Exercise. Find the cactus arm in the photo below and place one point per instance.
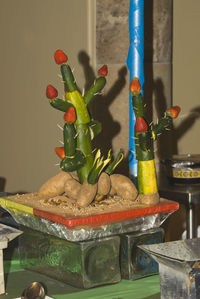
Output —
(163, 124)
(73, 96)
(147, 182)
(74, 159)
(59, 104)
(69, 134)
(82, 120)
(97, 86)
(77, 101)
(84, 145)
(138, 105)
(82, 131)
(68, 78)
(95, 128)
(72, 163)
(144, 146)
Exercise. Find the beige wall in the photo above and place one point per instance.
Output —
(186, 73)
(30, 33)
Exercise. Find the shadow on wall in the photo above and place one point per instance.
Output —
(167, 144)
(187, 122)
(148, 59)
(2, 184)
(99, 109)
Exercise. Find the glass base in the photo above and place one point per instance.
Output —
(135, 263)
(83, 264)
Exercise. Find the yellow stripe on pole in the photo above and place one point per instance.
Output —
(14, 206)
(147, 174)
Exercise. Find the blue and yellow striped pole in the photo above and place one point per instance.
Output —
(135, 63)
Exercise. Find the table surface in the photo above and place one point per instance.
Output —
(17, 279)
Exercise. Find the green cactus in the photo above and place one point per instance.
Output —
(145, 137)
(79, 128)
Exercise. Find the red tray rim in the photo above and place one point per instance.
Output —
(111, 217)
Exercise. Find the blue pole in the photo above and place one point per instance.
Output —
(135, 63)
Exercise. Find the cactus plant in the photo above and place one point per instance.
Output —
(79, 128)
(145, 135)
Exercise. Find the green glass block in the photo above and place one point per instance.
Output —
(134, 262)
(81, 264)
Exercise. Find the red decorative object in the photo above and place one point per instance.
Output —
(51, 92)
(70, 115)
(60, 152)
(103, 71)
(141, 125)
(135, 86)
(60, 57)
(173, 111)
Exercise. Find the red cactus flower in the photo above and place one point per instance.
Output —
(135, 86)
(173, 111)
(51, 92)
(60, 57)
(103, 71)
(60, 152)
(70, 115)
(141, 125)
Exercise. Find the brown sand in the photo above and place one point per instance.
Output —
(67, 208)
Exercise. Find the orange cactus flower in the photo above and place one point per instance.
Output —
(173, 111)
(141, 125)
(60, 57)
(103, 71)
(51, 92)
(60, 152)
(70, 115)
(135, 86)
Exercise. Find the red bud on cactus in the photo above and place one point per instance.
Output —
(70, 115)
(51, 92)
(60, 152)
(173, 111)
(141, 125)
(135, 86)
(103, 71)
(60, 57)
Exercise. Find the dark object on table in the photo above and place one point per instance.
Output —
(34, 291)
(179, 269)
(183, 169)
(186, 194)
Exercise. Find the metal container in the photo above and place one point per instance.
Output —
(179, 268)
(183, 168)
